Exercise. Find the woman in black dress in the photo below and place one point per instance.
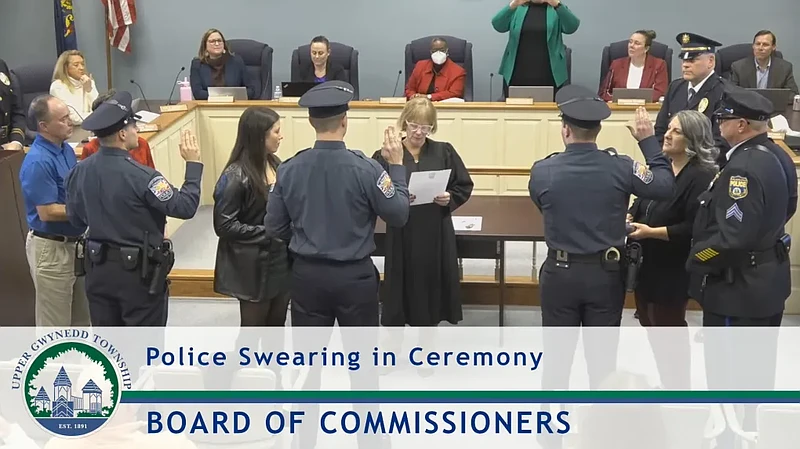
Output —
(422, 285)
(664, 229)
(251, 267)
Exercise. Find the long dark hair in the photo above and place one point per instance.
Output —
(250, 148)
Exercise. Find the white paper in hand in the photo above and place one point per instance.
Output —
(426, 185)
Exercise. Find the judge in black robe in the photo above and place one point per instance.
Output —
(421, 283)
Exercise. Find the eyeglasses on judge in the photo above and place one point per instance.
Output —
(414, 127)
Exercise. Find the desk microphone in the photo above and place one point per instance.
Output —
(85, 139)
(175, 83)
(491, 80)
(396, 83)
(143, 97)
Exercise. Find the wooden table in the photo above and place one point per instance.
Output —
(504, 219)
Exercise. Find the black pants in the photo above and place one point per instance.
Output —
(119, 297)
(325, 292)
(585, 294)
(723, 358)
(268, 313)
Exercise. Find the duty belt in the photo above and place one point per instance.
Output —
(610, 255)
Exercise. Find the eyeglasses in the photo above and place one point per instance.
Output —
(414, 127)
(215, 41)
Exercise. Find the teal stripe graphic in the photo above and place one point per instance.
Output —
(464, 397)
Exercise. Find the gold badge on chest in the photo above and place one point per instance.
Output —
(703, 105)
(4, 78)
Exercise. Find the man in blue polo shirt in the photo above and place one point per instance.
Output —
(60, 295)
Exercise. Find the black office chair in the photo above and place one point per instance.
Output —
(341, 54)
(257, 58)
(619, 49)
(460, 52)
(726, 56)
(31, 80)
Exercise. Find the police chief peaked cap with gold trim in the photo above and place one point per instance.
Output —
(111, 116)
(328, 99)
(581, 107)
(694, 45)
(738, 102)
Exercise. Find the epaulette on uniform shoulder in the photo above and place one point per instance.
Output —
(611, 151)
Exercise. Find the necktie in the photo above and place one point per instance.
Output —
(691, 93)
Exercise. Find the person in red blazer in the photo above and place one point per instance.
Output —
(438, 78)
(141, 154)
(639, 70)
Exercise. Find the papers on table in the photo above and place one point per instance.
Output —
(426, 185)
(467, 223)
(147, 116)
(780, 124)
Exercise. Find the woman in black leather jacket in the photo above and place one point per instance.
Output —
(250, 266)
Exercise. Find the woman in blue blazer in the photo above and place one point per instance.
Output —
(216, 66)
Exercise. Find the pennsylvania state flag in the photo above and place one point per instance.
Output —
(65, 26)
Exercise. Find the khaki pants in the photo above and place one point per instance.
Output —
(60, 295)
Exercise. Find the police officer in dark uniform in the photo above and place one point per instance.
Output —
(739, 262)
(699, 88)
(125, 205)
(12, 117)
(325, 203)
(584, 194)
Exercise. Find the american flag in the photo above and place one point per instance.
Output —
(121, 14)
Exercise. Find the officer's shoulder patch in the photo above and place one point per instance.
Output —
(386, 185)
(737, 187)
(642, 172)
(160, 188)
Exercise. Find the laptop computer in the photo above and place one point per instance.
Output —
(238, 93)
(780, 98)
(298, 89)
(540, 94)
(633, 94)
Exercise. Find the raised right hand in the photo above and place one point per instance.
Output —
(392, 149)
(642, 127)
(190, 150)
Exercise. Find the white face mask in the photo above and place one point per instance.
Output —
(439, 57)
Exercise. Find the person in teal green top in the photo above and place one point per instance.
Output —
(535, 43)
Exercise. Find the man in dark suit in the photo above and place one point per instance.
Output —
(763, 71)
(699, 88)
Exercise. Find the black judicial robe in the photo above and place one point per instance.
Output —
(421, 283)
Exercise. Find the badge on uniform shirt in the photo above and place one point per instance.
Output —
(737, 188)
(4, 78)
(160, 188)
(642, 172)
(703, 105)
(385, 185)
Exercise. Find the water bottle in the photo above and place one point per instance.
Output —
(278, 93)
(796, 103)
(185, 90)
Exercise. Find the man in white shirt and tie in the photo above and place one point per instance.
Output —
(699, 88)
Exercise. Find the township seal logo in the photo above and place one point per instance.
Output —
(73, 382)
